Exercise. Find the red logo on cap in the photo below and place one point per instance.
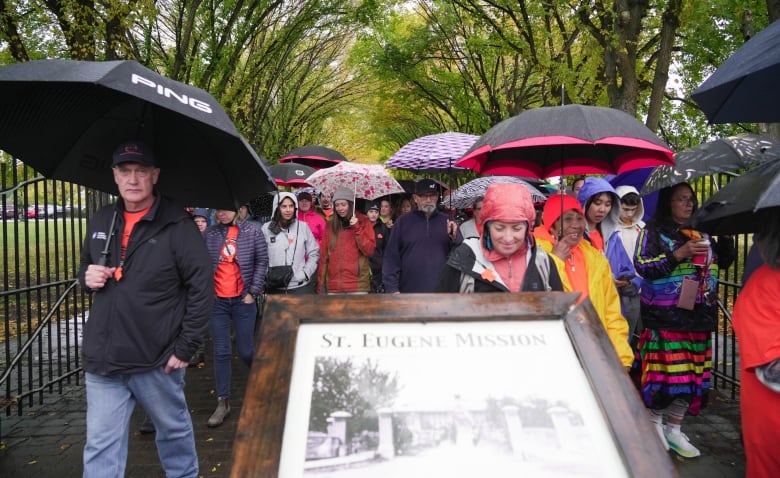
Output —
(131, 149)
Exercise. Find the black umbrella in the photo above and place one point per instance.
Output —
(723, 155)
(744, 88)
(317, 157)
(571, 139)
(291, 174)
(64, 118)
(743, 203)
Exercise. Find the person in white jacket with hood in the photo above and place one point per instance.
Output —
(291, 242)
(627, 227)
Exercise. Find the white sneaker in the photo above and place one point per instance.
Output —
(678, 441)
(659, 428)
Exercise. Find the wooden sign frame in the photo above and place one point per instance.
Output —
(258, 445)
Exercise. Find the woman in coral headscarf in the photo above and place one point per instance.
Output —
(504, 258)
(582, 267)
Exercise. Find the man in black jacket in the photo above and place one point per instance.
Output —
(153, 293)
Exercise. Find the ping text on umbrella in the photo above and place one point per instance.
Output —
(137, 79)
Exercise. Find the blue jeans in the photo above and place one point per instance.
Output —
(243, 317)
(110, 403)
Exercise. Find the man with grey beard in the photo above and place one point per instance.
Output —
(420, 243)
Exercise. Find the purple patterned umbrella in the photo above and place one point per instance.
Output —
(432, 153)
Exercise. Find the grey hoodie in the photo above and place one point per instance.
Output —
(630, 232)
(295, 245)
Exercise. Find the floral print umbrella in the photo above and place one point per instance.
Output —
(367, 181)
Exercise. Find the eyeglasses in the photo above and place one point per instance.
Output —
(687, 200)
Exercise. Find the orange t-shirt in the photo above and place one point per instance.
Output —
(596, 240)
(227, 278)
(131, 219)
(577, 272)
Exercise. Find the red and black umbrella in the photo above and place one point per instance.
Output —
(291, 174)
(314, 156)
(571, 139)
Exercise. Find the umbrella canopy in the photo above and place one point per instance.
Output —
(571, 139)
(291, 174)
(744, 87)
(65, 118)
(464, 196)
(743, 203)
(314, 156)
(432, 153)
(367, 181)
(409, 184)
(720, 156)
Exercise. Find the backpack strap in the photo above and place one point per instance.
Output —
(542, 261)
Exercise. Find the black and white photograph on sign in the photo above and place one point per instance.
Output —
(455, 399)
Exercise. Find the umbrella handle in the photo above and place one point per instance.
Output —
(103, 260)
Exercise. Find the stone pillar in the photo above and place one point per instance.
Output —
(515, 428)
(563, 428)
(337, 426)
(386, 448)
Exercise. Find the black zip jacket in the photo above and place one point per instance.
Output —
(161, 305)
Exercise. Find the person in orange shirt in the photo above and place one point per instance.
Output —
(148, 271)
(325, 208)
(239, 256)
(757, 324)
(582, 267)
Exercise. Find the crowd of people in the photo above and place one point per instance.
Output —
(653, 286)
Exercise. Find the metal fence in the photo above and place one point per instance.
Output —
(43, 310)
(41, 306)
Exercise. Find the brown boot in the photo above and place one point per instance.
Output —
(219, 415)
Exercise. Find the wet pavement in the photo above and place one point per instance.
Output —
(47, 440)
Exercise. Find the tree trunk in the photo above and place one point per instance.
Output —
(11, 34)
(670, 23)
(773, 9)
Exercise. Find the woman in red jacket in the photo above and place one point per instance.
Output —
(346, 248)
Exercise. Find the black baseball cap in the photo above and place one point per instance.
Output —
(134, 152)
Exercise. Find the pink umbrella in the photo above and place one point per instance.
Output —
(367, 181)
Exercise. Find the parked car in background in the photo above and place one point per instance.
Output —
(45, 212)
(9, 211)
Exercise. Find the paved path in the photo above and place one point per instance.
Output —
(47, 440)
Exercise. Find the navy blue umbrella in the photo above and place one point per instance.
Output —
(744, 88)
(637, 178)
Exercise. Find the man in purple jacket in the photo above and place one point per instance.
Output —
(420, 243)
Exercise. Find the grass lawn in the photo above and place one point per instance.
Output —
(34, 255)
